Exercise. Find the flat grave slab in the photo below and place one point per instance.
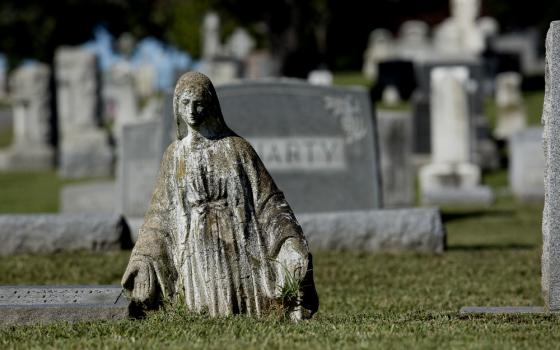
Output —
(45, 304)
(505, 310)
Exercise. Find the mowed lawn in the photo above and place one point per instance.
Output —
(368, 300)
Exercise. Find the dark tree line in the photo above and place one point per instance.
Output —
(303, 34)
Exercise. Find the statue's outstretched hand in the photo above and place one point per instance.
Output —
(139, 279)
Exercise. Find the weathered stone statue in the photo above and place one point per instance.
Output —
(218, 234)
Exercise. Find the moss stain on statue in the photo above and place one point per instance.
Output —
(219, 235)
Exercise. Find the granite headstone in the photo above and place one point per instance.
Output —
(551, 213)
(318, 143)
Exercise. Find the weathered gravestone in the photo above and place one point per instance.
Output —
(395, 148)
(318, 143)
(550, 263)
(140, 155)
(31, 148)
(526, 165)
(84, 147)
(46, 304)
(451, 177)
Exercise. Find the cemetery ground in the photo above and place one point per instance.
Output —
(367, 300)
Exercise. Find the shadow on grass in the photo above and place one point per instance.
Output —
(447, 216)
(480, 247)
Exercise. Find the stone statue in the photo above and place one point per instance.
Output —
(218, 234)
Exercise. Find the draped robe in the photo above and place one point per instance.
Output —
(220, 234)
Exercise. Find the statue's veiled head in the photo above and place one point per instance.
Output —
(196, 106)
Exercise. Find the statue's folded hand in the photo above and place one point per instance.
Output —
(139, 279)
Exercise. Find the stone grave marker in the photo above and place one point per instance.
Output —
(551, 212)
(483, 149)
(84, 147)
(140, 155)
(526, 165)
(46, 304)
(451, 177)
(318, 143)
(550, 262)
(32, 148)
(395, 148)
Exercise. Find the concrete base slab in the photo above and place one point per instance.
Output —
(410, 229)
(46, 304)
(507, 310)
(461, 196)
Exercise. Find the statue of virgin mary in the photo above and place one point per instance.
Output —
(218, 234)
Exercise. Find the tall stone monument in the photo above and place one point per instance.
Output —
(551, 213)
(550, 263)
(31, 148)
(451, 177)
(84, 147)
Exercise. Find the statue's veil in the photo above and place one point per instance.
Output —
(196, 81)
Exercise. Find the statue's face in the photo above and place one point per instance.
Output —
(192, 107)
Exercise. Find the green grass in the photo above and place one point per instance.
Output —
(29, 192)
(350, 78)
(379, 301)
(6, 136)
(32, 191)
